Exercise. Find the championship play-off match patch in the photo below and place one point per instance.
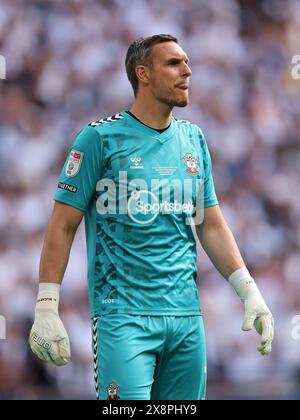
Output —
(74, 163)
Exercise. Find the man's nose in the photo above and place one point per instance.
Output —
(186, 70)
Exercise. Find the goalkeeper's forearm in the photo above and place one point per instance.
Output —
(55, 253)
(219, 244)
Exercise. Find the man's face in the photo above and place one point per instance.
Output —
(169, 74)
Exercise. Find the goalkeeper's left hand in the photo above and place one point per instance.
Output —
(257, 312)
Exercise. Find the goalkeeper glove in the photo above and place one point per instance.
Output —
(256, 310)
(48, 338)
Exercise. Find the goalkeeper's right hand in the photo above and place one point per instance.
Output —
(48, 338)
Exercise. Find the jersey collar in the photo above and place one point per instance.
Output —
(162, 137)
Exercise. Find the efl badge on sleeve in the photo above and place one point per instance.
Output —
(74, 163)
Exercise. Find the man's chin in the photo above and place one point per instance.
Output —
(181, 104)
(175, 102)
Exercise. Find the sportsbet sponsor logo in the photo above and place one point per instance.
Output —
(144, 207)
(164, 207)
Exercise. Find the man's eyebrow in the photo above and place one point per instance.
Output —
(177, 59)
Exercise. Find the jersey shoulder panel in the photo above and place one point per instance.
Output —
(110, 122)
(190, 126)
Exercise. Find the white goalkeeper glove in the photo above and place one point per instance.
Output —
(48, 338)
(256, 310)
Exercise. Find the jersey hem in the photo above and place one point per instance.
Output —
(148, 313)
(211, 204)
(70, 203)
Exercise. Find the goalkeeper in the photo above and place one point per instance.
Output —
(147, 326)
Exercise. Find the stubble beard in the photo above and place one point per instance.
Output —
(172, 102)
(176, 102)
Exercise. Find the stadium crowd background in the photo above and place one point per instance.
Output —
(65, 68)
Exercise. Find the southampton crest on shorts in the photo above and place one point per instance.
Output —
(112, 390)
(74, 163)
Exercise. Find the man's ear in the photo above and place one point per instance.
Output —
(142, 73)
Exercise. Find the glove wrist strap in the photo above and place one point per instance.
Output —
(48, 297)
(243, 283)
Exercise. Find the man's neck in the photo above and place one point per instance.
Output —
(155, 115)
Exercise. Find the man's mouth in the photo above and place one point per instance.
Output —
(182, 86)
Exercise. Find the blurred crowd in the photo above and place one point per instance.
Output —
(65, 68)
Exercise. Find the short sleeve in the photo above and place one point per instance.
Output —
(210, 197)
(81, 171)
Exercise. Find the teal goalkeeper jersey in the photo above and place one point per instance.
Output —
(139, 190)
